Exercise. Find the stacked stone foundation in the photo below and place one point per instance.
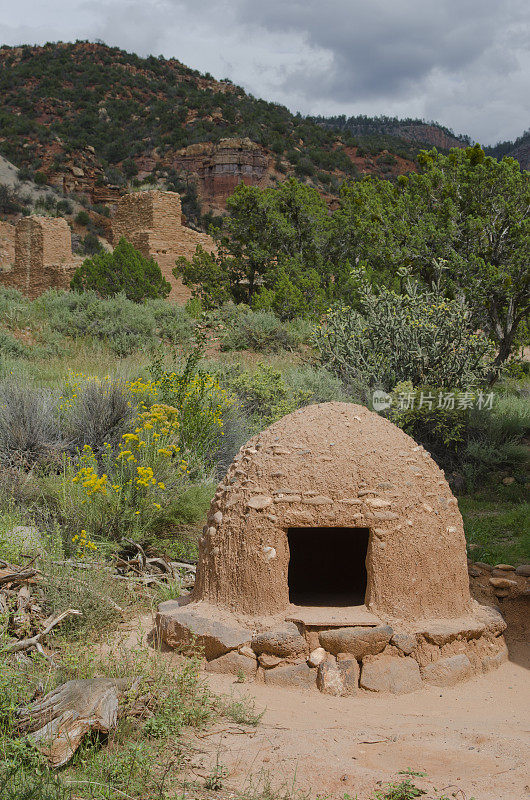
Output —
(339, 660)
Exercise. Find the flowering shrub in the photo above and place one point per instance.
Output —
(419, 336)
(125, 490)
(174, 434)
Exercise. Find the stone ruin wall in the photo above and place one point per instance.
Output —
(36, 253)
(40, 249)
(152, 222)
(7, 246)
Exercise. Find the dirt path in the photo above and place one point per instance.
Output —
(472, 740)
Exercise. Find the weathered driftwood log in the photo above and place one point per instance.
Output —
(34, 641)
(58, 722)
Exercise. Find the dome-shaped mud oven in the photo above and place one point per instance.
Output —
(334, 556)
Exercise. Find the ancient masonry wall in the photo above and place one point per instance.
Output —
(7, 246)
(152, 222)
(42, 256)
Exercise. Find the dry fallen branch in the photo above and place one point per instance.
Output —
(58, 722)
(34, 641)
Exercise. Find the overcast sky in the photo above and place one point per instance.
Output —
(464, 63)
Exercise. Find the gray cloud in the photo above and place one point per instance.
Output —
(465, 63)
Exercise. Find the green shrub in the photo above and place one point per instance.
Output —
(12, 348)
(263, 332)
(30, 433)
(82, 218)
(418, 336)
(124, 271)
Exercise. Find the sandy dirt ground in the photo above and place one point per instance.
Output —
(471, 740)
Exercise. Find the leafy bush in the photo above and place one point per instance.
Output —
(418, 336)
(263, 394)
(124, 271)
(82, 218)
(263, 332)
(472, 434)
(124, 326)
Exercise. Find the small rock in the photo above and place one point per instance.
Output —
(259, 502)
(502, 583)
(523, 569)
(316, 657)
(218, 517)
(482, 565)
(284, 642)
(269, 552)
(377, 502)
(508, 481)
(267, 661)
(247, 651)
(349, 669)
(329, 678)
(447, 671)
(474, 572)
(357, 641)
(505, 567)
(406, 642)
(291, 675)
(233, 663)
(183, 626)
(384, 673)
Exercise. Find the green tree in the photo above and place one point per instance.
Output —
(272, 252)
(464, 211)
(124, 271)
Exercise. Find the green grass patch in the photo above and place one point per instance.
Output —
(497, 532)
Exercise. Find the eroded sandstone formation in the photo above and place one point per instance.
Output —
(334, 556)
(220, 167)
(152, 222)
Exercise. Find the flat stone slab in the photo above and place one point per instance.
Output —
(441, 632)
(338, 617)
(359, 642)
(389, 674)
(447, 671)
(283, 642)
(233, 663)
(180, 626)
(292, 675)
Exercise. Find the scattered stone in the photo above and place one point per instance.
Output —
(508, 481)
(474, 572)
(316, 657)
(298, 675)
(267, 662)
(502, 583)
(319, 500)
(284, 642)
(233, 663)
(377, 502)
(493, 620)
(505, 567)
(27, 539)
(406, 642)
(218, 517)
(247, 651)
(183, 625)
(259, 502)
(447, 671)
(349, 669)
(483, 566)
(495, 660)
(357, 641)
(269, 552)
(388, 674)
(523, 569)
(329, 678)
